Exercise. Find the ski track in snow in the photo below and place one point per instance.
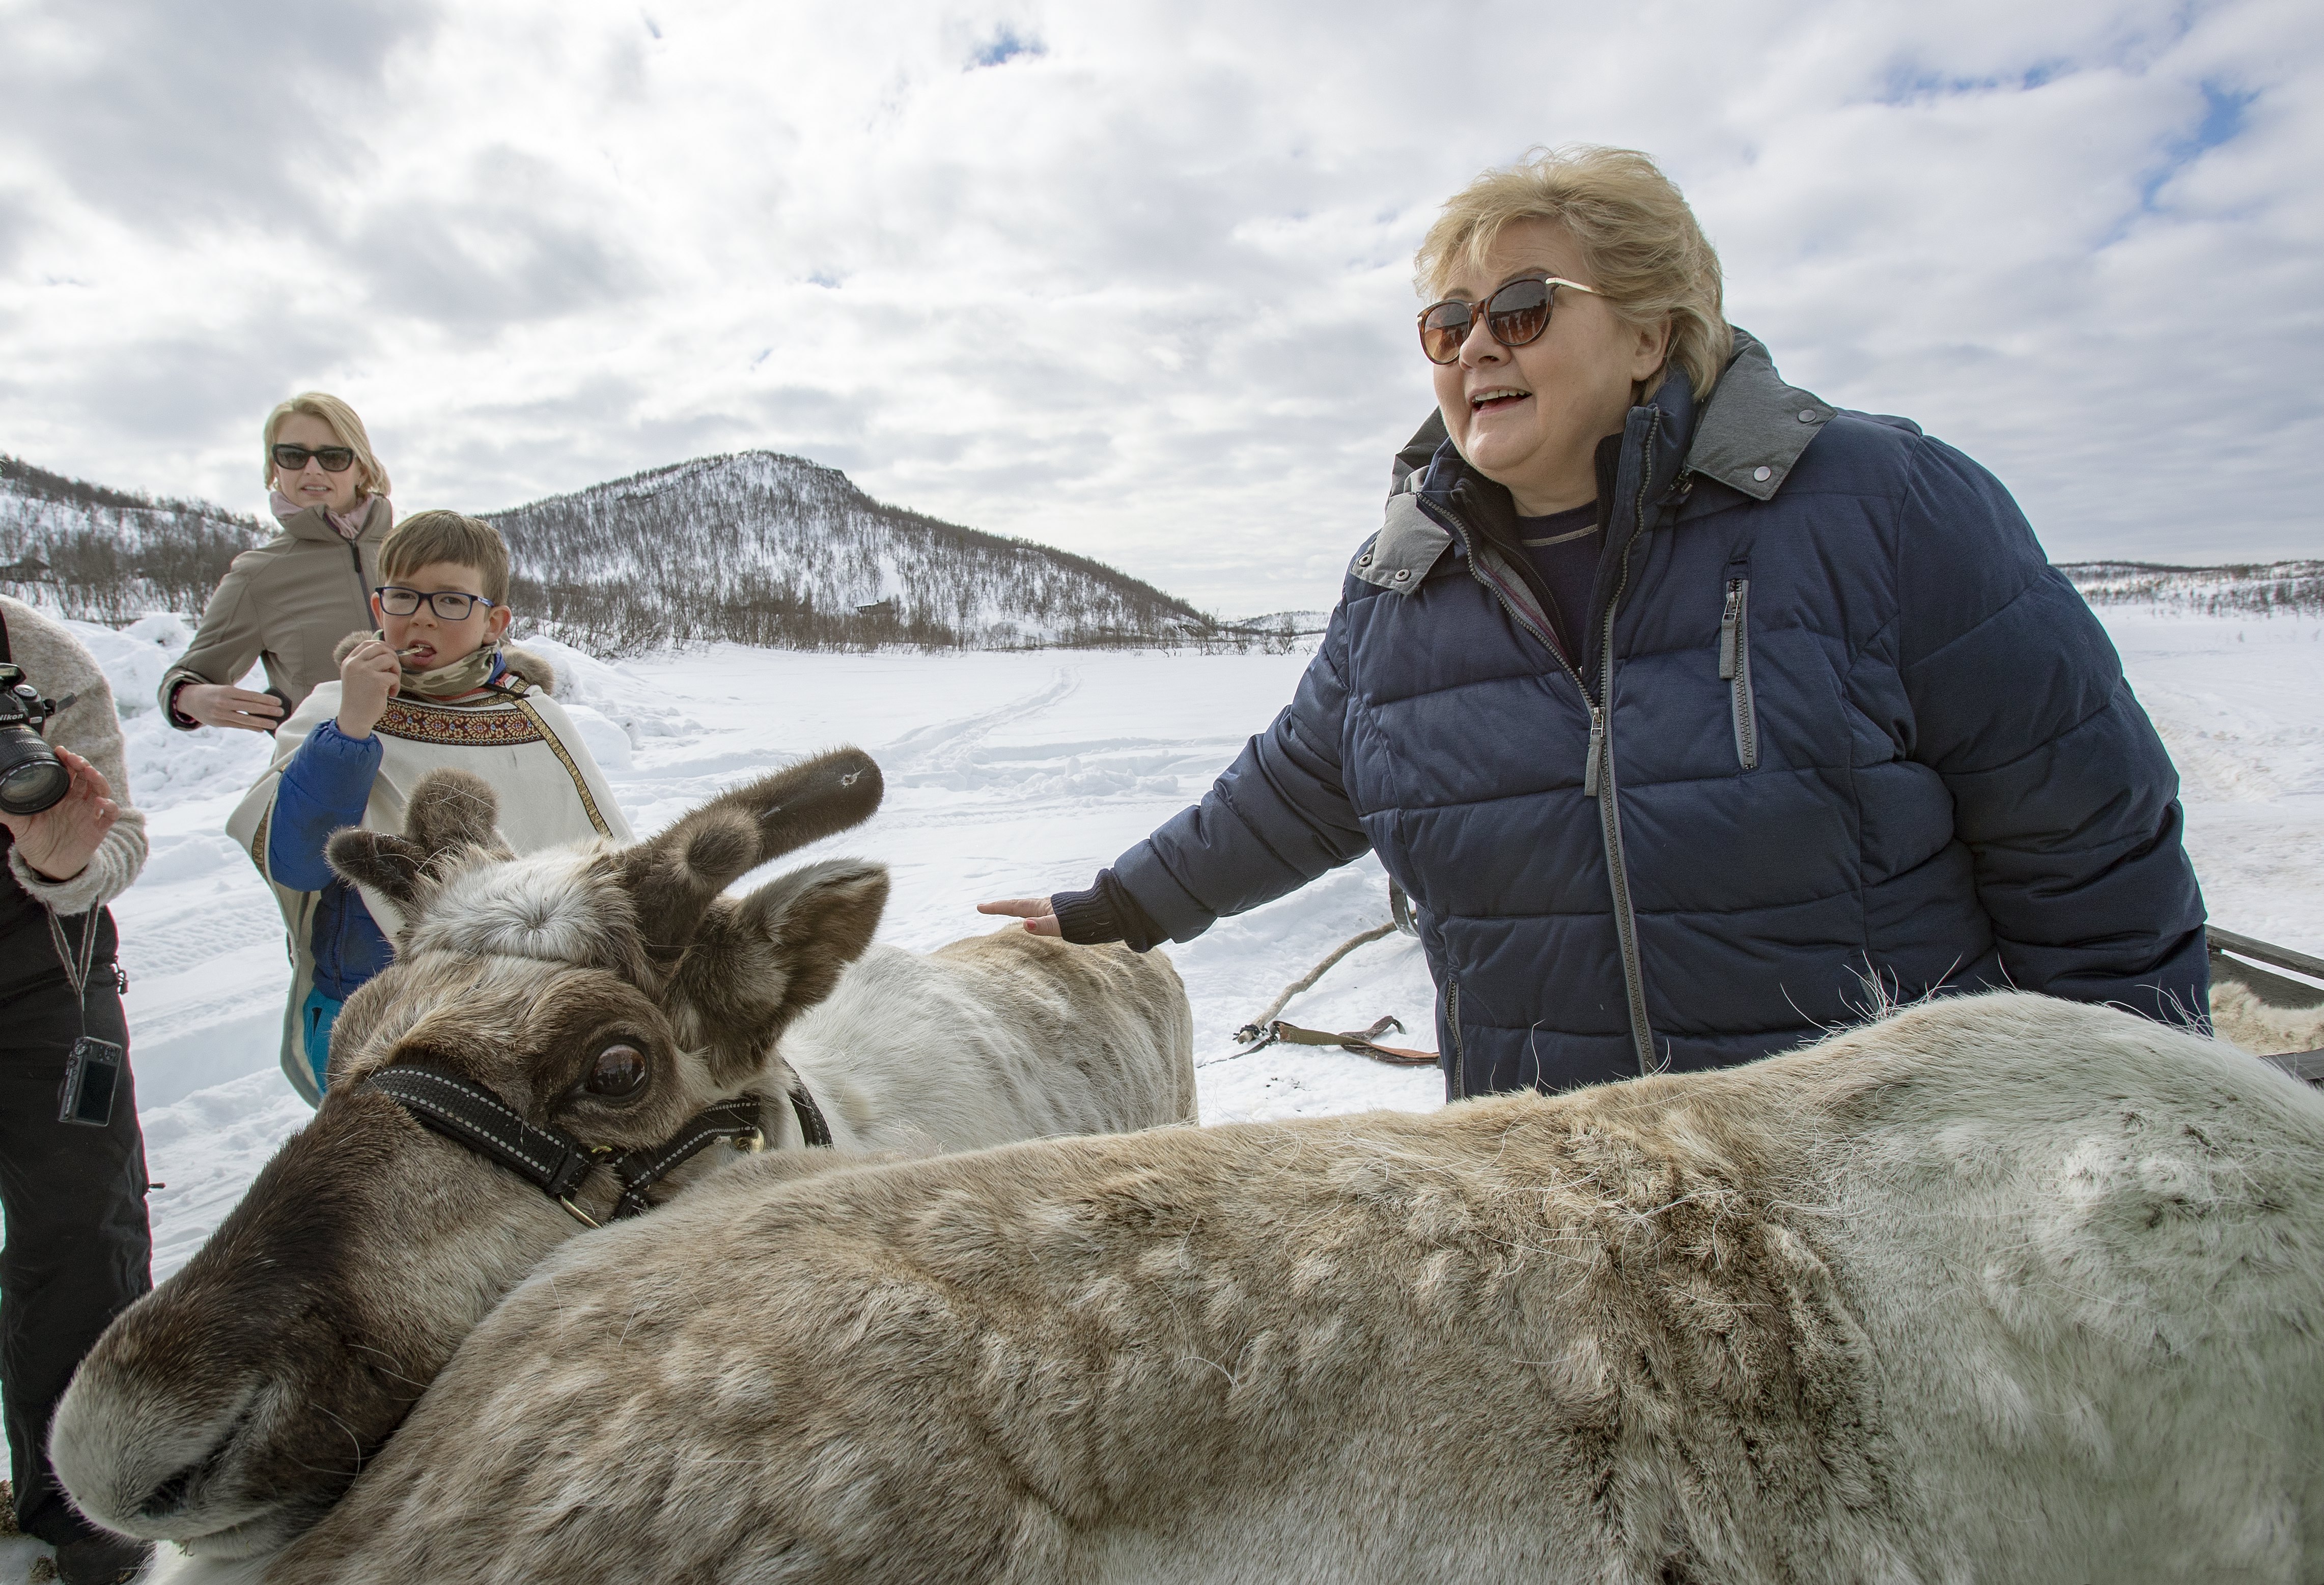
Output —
(1016, 775)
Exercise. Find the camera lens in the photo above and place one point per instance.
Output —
(31, 779)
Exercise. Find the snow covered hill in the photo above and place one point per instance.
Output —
(2273, 589)
(777, 551)
(755, 549)
(107, 555)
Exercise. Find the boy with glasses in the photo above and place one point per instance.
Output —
(433, 686)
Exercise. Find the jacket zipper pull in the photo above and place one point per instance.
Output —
(1730, 621)
(1596, 750)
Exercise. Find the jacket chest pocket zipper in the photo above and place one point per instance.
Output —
(1460, 1085)
(1735, 670)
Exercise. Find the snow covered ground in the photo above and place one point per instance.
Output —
(1017, 774)
(1007, 775)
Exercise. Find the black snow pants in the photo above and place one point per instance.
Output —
(78, 1249)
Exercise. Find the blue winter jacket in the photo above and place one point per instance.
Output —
(1836, 731)
(325, 788)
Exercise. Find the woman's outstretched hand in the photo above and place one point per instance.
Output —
(215, 705)
(1039, 918)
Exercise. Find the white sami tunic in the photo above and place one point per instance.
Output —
(526, 747)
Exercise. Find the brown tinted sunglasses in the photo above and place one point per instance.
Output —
(1516, 314)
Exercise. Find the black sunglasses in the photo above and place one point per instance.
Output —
(336, 459)
(1516, 314)
(448, 604)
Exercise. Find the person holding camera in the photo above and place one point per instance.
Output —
(72, 1161)
(289, 600)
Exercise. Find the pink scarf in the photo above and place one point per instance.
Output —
(349, 524)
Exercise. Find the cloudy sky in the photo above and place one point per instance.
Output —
(1135, 279)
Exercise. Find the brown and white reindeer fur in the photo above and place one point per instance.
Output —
(232, 1406)
(2000, 1288)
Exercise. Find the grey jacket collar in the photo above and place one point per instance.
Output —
(1748, 439)
(1756, 426)
(1407, 547)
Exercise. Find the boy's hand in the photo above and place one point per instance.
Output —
(368, 678)
(58, 842)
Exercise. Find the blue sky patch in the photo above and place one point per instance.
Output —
(1004, 47)
(2223, 119)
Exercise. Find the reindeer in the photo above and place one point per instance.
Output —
(1999, 1288)
(599, 1015)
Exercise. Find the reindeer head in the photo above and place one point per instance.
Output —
(610, 993)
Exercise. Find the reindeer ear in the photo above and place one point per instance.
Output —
(819, 919)
(755, 965)
(387, 864)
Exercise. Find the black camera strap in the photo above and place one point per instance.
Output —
(77, 964)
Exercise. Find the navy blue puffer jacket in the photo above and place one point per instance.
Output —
(1838, 729)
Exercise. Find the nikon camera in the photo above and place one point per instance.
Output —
(31, 777)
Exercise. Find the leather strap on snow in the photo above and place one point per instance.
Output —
(1364, 1043)
(552, 1160)
(2307, 1065)
(1307, 982)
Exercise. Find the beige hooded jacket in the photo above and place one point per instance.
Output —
(288, 602)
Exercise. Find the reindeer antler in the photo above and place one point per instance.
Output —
(672, 878)
(450, 812)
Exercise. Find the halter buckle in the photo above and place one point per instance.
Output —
(749, 1144)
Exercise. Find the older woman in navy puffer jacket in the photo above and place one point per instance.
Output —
(1693, 712)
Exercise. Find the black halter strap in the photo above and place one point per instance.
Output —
(554, 1161)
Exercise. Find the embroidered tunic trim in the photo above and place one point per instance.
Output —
(580, 782)
(429, 723)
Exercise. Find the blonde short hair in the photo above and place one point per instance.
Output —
(427, 538)
(1639, 242)
(341, 421)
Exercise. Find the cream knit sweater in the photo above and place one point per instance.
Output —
(57, 663)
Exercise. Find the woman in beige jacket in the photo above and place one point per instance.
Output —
(289, 600)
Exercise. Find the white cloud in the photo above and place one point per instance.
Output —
(1134, 279)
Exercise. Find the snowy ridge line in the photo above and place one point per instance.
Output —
(755, 548)
(2257, 588)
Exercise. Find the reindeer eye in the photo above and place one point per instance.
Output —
(618, 1073)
